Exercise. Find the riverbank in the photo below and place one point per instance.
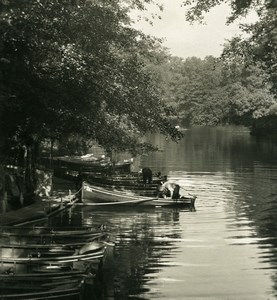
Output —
(42, 208)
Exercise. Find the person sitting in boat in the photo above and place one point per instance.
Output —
(176, 192)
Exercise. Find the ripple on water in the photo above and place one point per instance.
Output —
(226, 249)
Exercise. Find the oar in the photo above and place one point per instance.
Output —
(193, 195)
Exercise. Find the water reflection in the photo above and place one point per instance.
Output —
(144, 243)
(224, 250)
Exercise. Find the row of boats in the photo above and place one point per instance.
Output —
(47, 263)
(104, 183)
(40, 262)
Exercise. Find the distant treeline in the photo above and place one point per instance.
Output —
(217, 91)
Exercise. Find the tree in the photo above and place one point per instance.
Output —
(195, 87)
(249, 87)
(76, 68)
(255, 54)
(240, 8)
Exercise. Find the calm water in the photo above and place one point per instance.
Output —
(226, 249)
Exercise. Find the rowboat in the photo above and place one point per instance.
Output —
(51, 231)
(71, 167)
(94, 195)
(47, 258)
(41, 235)
(65, 290)
(48, 263)
(33, 279)
(43, 271)
(11, 284)
(125, 181)
(38, 281)
(85, 234)
(40, 255)
(50, 249)
(17, 245)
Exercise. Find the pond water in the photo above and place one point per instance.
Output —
(226, 249)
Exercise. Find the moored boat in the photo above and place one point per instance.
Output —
(49, 263)
(47, 273)
(50, 249)
(71, 167)
(49, 258)
(93, 195)
(66, 290)
(50, 236)
(125, 181)
(34, 257)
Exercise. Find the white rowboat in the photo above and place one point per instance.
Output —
(92, 195)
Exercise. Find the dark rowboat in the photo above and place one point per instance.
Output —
(45, 231)
(63, 291)
(71, 167)
(19, 234)
(130, 181)
(39, 282)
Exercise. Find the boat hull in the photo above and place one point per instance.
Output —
(100, 196)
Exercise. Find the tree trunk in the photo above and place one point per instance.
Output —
(30, 159)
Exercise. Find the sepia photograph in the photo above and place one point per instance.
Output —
(138, 149)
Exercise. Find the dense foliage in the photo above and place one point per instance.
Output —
(76, 69)
(214, 91)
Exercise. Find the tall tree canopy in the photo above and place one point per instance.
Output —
(197, 8)
(77, 68)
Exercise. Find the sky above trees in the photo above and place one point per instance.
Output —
(184, 39)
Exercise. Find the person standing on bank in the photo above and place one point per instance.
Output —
(147, 176)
